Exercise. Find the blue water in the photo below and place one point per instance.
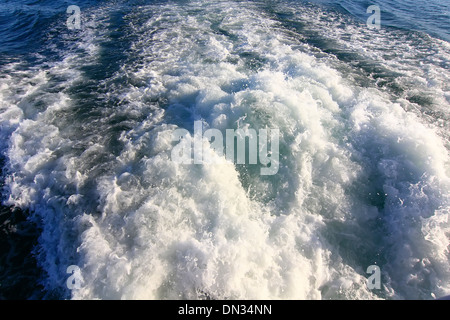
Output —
(25, 25)
(86, 118)
(431, 17)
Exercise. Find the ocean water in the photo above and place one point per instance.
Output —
(86, 123)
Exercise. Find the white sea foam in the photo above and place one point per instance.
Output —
(361, 180)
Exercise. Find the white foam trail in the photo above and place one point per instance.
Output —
(142, 227)
(412, 65)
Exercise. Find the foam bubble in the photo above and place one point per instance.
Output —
(361, 181)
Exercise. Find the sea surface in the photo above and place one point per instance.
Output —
(86, 122)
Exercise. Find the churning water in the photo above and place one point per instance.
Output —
(86, 123)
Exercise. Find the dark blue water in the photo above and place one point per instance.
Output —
(85, 123)
(26, 26)
(431, 17)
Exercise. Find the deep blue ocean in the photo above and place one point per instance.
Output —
(87, 114)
